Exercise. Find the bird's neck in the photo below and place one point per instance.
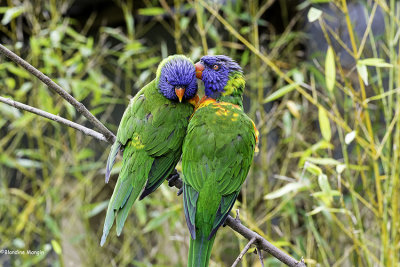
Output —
(233, 90)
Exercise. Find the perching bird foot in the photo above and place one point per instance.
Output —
(180, 191)
(172, 178)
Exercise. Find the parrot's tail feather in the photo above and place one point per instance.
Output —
(123, 212)
(103, 239)
(119, 206)
(111, 159)
(200, 251)
(107, 224)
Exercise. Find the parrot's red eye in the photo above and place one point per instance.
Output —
(215, 67)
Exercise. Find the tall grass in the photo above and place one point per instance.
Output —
(324, 185)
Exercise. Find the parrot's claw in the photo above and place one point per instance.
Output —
(173, 173)
(172, 178)
(180, 191)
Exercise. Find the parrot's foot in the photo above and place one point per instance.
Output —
(180, 191)
(172, 178)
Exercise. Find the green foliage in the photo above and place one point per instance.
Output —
(324, 185)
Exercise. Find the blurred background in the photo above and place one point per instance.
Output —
(322, 87)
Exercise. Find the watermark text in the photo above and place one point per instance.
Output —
(21, 252)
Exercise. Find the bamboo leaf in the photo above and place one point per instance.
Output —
(157, 221)
(324, 208)
(323, 183)
(324, 124)
(330, 69)
(312, 168)
(362, 70)
(350, 137)
(316, 210)
(313, 14)
(12, 13)
(323, 161)
(374, 62)
(280, 92)
(340, 168)
(293, 108)
(96, 208)
(151, 11)
(291, 187)
(56, 247)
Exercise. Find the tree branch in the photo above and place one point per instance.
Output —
(245, 249)
(260, 242)
(52, 85)
(260, 257)
(53, 117)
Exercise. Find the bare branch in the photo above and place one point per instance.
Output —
(56, 118)
(260, 256)
(245, 249)
(262, 243)
(52, 85)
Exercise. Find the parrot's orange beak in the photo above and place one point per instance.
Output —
(199, 70)
(179, 91)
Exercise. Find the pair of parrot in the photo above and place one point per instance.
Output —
(215, 138)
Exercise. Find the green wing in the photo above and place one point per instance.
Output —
(161, 169)
(150, 134)
(217, 153)
(190, 196)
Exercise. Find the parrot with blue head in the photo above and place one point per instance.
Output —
(217, 153)
(150, 134)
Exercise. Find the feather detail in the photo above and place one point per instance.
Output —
(189, 204)
(111, 159)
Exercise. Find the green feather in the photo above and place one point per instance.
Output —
(111, 159)
(200, 251)
(233, 90)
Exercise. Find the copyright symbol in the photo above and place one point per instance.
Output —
(2, 251)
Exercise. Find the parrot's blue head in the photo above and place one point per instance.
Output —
(176, 78)
(215, 72)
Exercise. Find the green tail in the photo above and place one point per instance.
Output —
(120, 212)
(130, 184)
(200, 251)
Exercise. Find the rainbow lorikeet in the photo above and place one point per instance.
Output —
(217, 153)
(151, 134)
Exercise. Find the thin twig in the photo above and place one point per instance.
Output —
(245, 249)
(52, 85)
(260, 256)
(53, 117)
(260, 242)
